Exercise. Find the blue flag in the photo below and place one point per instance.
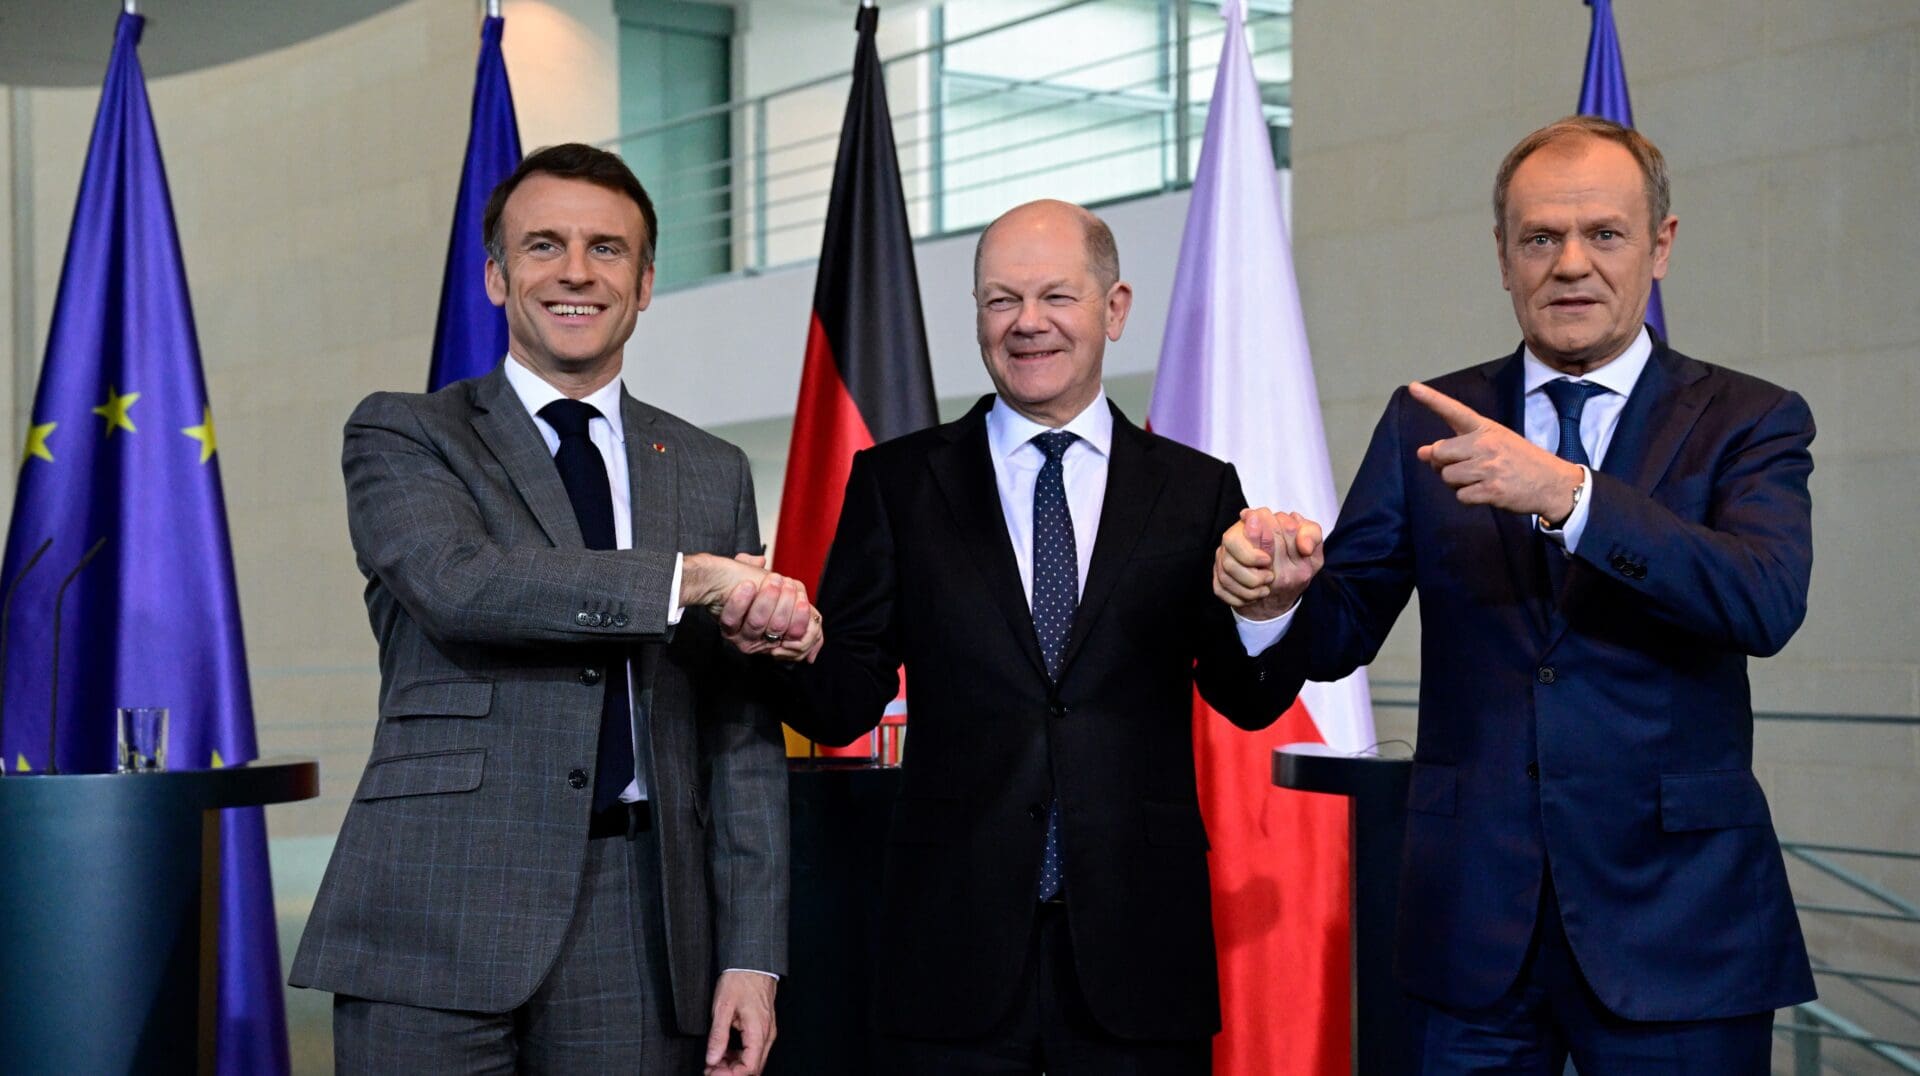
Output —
(1603, 93)
(471, 335)
(121, 448)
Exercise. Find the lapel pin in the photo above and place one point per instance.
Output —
(660, 448)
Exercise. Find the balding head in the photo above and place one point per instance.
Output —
(1103, 256)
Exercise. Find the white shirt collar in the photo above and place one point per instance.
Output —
(1008, 429)
(536, 392)
(1618, 376)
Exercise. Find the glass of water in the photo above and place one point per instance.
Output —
(143, 739)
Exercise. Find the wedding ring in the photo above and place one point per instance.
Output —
(772, 636)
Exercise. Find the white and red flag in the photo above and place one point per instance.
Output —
(1235, 380)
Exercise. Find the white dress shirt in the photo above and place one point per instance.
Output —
(1016, 467)
(608, 434)
(1598, 420)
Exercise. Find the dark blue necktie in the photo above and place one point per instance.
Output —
(1569, 400)
(1056, 593)
(584, 473)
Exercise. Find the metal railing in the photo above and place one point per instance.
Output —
(1088, 100)
(1810, 1029)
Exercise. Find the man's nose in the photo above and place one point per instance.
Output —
(1573, 261)
(574, 267)
(1032, 318)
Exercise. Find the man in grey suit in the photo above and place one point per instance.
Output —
(569, 847)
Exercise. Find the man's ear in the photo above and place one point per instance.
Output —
(645, 294)
(496, 283)
(1119, 305)
(1500, 252)
(1663, 245)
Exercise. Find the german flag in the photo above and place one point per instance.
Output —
(866, 377)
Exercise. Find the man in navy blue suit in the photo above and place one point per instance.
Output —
(1602, 531)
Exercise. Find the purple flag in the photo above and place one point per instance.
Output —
(471, 333)
(1603, 93)
(121, 448)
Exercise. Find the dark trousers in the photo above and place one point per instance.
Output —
(1551, 1013)
(606, 1005)
(1047, 1030)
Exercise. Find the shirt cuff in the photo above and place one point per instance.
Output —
(754, 971)
(1567, 535)
(674, 609)
(1257, 635)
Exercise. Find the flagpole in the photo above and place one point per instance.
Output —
(131, 7)
(493, 9)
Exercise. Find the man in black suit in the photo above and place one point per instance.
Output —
(1041, 568)
(1590, 867)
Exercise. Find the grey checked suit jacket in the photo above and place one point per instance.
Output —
(457, 867)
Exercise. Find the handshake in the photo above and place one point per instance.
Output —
(759, 612)
(1265, 562)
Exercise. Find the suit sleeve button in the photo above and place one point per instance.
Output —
(1547, 675)
(619, 620)
(589, 677)
(583, 618)
(577, 779)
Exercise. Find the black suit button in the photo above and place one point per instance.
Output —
(1547, 675)
(577, 779)
(589, 677)
(1057, 709)
(584, 619)
(1533, 771)
(1036, 812)
(619, 620)
(1639, 571)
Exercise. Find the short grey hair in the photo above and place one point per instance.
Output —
(1103, 254)
(1653, 165)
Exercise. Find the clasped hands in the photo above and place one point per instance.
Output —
(759, 612)
(1266, 560)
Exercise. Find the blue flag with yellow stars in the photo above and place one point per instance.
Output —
(1603, 93)
(121, 449)
(470, 336)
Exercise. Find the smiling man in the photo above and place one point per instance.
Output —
(1601, 531)
(568, 852)
(1040, 568)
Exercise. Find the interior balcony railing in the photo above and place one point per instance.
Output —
(1093, 101)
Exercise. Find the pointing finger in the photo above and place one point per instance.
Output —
(1458, 416)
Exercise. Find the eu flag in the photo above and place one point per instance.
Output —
(471, 335)
(1603, 93)
(121, 446)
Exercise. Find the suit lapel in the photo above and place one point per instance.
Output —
(508, 431)
(963, 470)
(653, 488)
(1524, 566)
(1134, 479)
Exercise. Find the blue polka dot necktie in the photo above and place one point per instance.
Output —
(1056, 593)
(584, 473)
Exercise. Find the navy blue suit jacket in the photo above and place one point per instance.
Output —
(1606, 735)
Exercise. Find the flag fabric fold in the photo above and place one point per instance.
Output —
(121, 446)
(866, 376)
(470, 335)
(1235, 380)
(1603, 93)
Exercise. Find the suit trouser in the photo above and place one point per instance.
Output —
(1048, 1029)
(606, 1005)
(1551, 1012)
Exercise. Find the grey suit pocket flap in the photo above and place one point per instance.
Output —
(1175, 825)
(438, 698)
(1431, 788)
(423, 774)
(1717, 799)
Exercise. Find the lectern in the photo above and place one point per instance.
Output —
(1387, 1026)
(109, 908)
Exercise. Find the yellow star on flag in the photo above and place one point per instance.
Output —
(37, 442)
(218, 762)
(115, 411)
(20, 765)
(203, 433)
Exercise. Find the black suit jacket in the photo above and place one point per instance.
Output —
(922, 573)
(1603, 733)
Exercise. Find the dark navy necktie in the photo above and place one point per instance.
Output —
(1056, 593)
(1569, 402)
(584, 473)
